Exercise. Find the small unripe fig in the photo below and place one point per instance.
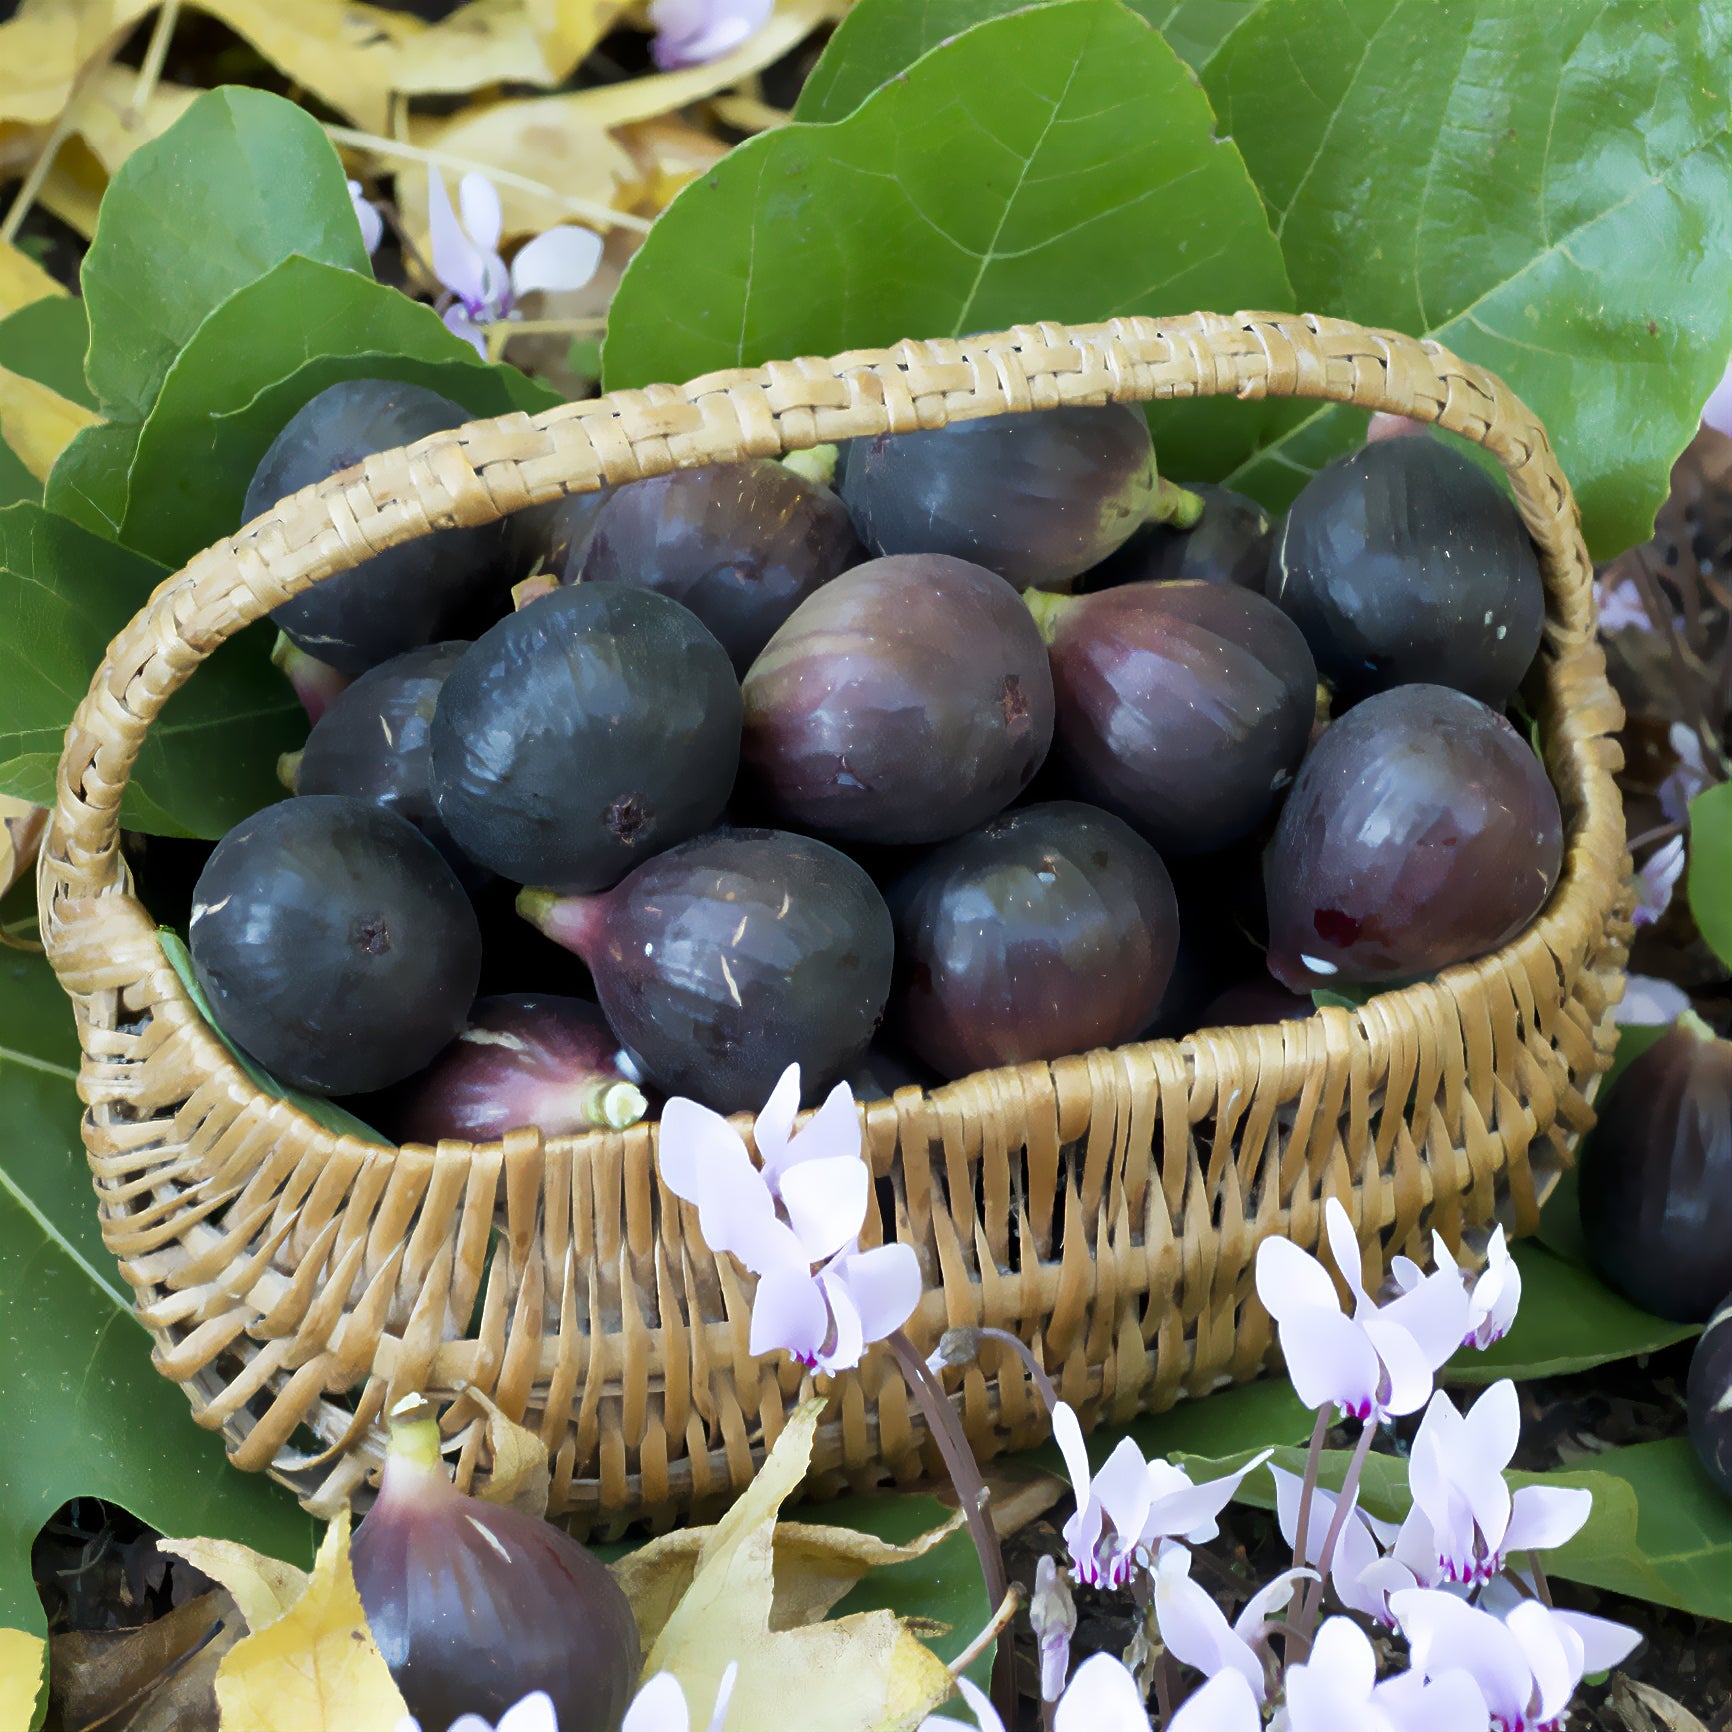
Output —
(1708, 1397)
(475, 1605)
(1656, 1176)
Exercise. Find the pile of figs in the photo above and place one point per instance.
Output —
(991, 747)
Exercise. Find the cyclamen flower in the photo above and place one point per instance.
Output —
(1717, 411)
(689, 32)
(1527, 1664)
(367, 215)
(1336, 1690)
(1464, 1520)
(1102, 1697)
(1649, 1002)
(467, 262)
(1381, 1360)
(1131, 1504)
(660, 1706)
(1492, 1296)
(533, 1714)
(1196, 1630)
(1052, 1617)
(795, 1223)
(1687, 779)
(1359, 1546)
(1656, 879)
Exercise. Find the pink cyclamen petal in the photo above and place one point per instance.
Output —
(1344, 1248)
(1180, 1510)
(1290, 1281)
(1717, 411)
(884, 1286)
(691, 32)
(1195, 1629)
(690, 1139)
(847, 1344)
(457, 262)
(660, 1706)
(790, 1313)
(826, 1203)
(1331, 1361)
(1101, 1697)
(478, 204)
(1226, 1703)
(459, 324)
(1649, 1002)
(367, 215)
(559, 259)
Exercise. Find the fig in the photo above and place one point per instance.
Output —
(740, 544)
(1421, 831)
(522, 1059)
(1229, 543)
(371, 744)
(475, 1605)
(1037, 498)
(1049, 930)
(1708, 1397)
(333, 943)
(1656, 1176)
(441, 586)
(906, 701)
(554, 537)
(1405, 563)
(1183, 707)
(584, 733)
(728, 958)
(1260, 1000)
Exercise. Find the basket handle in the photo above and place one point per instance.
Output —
(476, 473)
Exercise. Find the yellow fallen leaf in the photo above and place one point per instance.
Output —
(45, 46)
(75, 185)
(864, 1673)
(22, 280)
(316, 1668)
(814, 1567)
(568, 29)
(21, 827)
(22, 1658)
(37, 422)
(667, 153)
(107, 115)
(264, 1588)
(521, 1477)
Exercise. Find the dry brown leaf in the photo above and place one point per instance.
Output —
(1661, 1709)
(44, 47)
(22, 280)
(1018, 1494)
(521, 1477)
(149, 1675)
(37, 422)
(21, 827)
(667, 153)
(263, 1588)
(865, 1673)
(23, 1660)
(317, 1668)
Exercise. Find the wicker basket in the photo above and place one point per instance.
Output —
(1105, 1207)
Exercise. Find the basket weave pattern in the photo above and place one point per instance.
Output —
(1105, 1207)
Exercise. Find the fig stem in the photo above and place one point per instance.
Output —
(567, 920)
(289, 770)
(1048, 609)
(818, 463)
(532, 588)
(415, 1434)
(615, 1106)
(1175, 505)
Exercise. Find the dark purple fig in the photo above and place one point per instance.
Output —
(577, 737)
(521, 1060)
(1184, 707)
(1405, 563)
(334, 944)
(906, 701)
(476, 1605)
(740, 544)
(1656, 1176)
(1251, 1002)
(1038, 498)
(371, 743)
(723, 961)
(317, 685)
(1708, 1397)
(554, 537)
(442, 586)
(1049, 930)
(1420, 832)
(1229, 543)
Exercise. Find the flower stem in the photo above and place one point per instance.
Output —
(1312, 1603)
(1541, 1585)
(971, 1492)
(1036, 1371)
(1308, 1490)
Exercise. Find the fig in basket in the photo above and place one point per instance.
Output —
(1184, 707)
(1049, 930)
(371, 743)
(740, 544)
(721, 962)
(334, 944)
(584, 733)
(522, 1059)
(906, 701)
(1038, 498)
(1406, 563)
(443, 586)
(1421, 831)
(1229, 543)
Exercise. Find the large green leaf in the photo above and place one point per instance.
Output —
(210, 759)
(1546, 190)
(88, 481)
(46, 341)
(16, 482)
(86, 1415)
(254, 361)
(240, 182)
(1710, 883)
(1568, 1321)
(1055, 163)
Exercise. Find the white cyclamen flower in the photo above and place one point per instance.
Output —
(1052, 1617)
(1689, 777)
(795, 1224)
(466, 258)
(1649, 1002)
(660, 1706)
(1196, 1630)
(367, 215)
(1527, 1664)
(690, 32)
(1381, 1360)
(1126, 1509)
(1656, 879)
(533, 1714)
(1717, 411)
(1493, 1295)
(1359, 1546)
(1336, 1690)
